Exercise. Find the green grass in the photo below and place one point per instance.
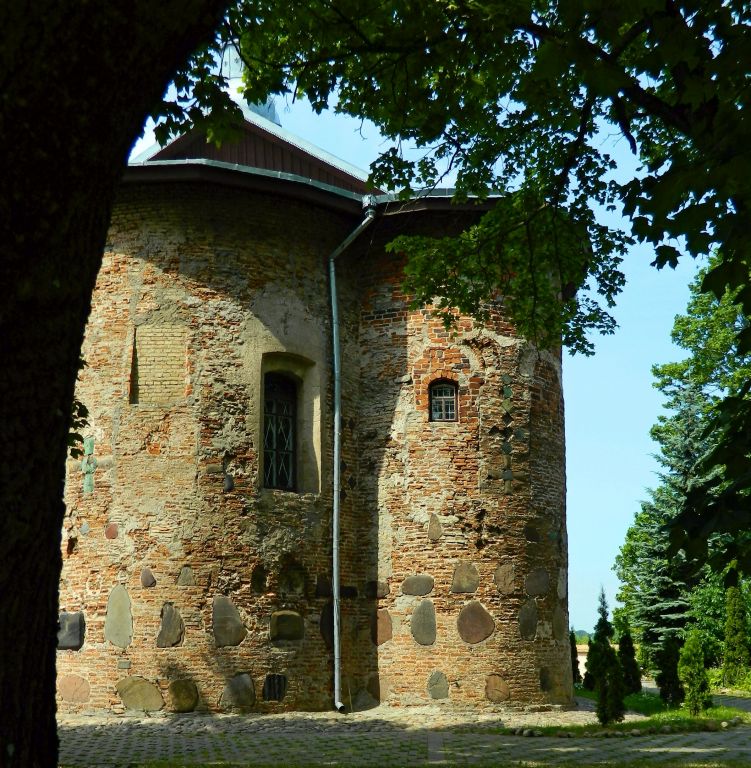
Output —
(643, 703)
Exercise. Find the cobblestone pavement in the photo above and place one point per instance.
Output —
(380, 737)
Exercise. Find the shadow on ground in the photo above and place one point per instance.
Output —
(365, 740)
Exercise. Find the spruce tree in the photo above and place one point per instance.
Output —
(693, 674)
(627, 658)
(605, 669)
(671, 690)
(575, 672)
(735, 660)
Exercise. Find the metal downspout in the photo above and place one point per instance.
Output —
(335, 343)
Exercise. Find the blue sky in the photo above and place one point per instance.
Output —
(609, 398)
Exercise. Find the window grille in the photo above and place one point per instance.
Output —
(279, 432)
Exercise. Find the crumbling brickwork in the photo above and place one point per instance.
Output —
(188, 585)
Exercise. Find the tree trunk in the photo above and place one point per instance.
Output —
(76, 84)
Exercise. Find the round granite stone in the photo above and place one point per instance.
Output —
(466, 578)
(118, 622)
(504, 578)
(74, 689)
(560, 623)
(110, 532)
(438, 686)
(475, 624)
(183, 695)
(381, 627)
(286, 625)
(239, 694)
(420, 584)
(537, 582)
(172, 627)
(147, 578)
(562, 584)
(528, 620)
(139, 694)
(435, 529)
(496, 689)
(228, 626)
(422, 624)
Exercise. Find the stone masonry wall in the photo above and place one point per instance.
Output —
(467, 517)
(186, 585)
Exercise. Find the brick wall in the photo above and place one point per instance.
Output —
(196, 584)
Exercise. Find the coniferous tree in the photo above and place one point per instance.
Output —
(575, 671)
(629, 665)
(605, 669)
(693, 674)
(736, 655)
(664, 594)
(671, 690)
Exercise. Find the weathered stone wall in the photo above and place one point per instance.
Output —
(181, 566)
(187, 585)
(467, 517)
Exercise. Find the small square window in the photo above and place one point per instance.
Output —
(443, 401)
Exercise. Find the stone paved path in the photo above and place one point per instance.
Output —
(380, 737)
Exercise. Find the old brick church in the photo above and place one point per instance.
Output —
(201, 526)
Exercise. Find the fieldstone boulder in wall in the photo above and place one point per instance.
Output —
(562, 583)
(375, 589)
(435, 529)
(496, 688)
(239, 693)
(381, 627)
(475, 624)
(148, 579)
(70, 635)
(422, 624)
(378, 687)
(183, 695)
(286, 625)
(438, 686)
(139, 694)
(504, 578)
(74, 689)
(420, 584)
(528, 620)
(118, 624)
(172, 627)
(466, 579)
(560, 623)
(228, 626)
(537, 582)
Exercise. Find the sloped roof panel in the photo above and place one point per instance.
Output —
(269, 147)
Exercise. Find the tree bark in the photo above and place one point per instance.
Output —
(76, 84)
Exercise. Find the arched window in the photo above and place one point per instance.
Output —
(279, 432)
(443, 401)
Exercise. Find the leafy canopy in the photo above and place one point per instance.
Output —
(516, 96)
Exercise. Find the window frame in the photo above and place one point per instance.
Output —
(442, 398)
